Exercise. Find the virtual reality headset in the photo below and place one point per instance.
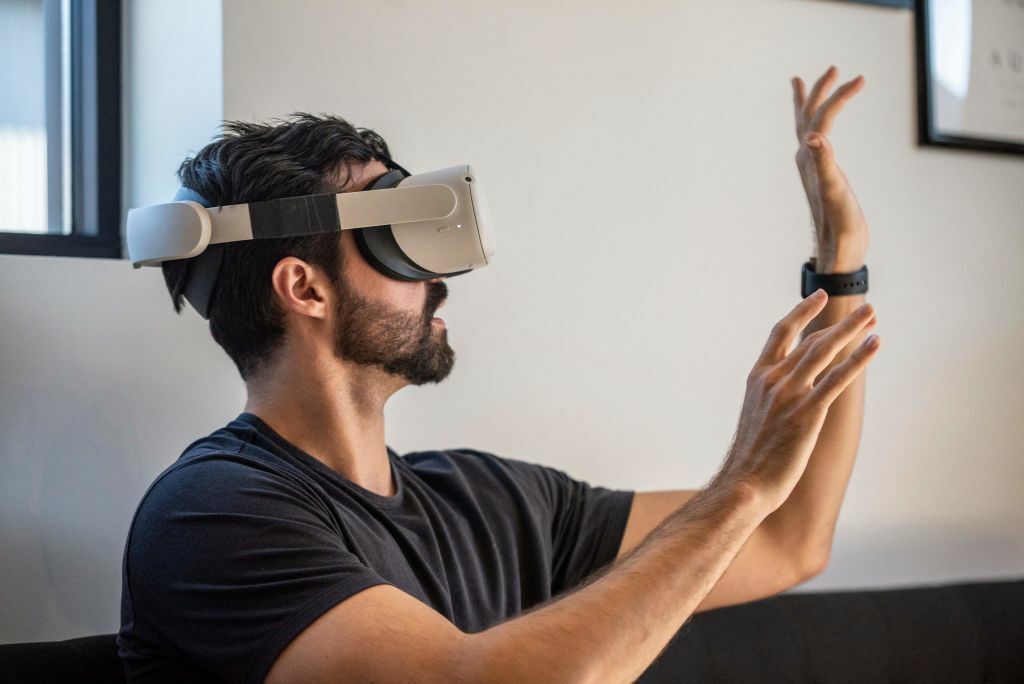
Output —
(411, 227)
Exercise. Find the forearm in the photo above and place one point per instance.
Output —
(612, 627)
(809, 515)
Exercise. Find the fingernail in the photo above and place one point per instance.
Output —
(871, 342)
(818, 294)
(864, 310)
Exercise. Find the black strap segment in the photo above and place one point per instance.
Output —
(833, 283)
(290, 216)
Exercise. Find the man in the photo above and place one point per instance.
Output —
(294, 545)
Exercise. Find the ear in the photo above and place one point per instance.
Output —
(300, 287)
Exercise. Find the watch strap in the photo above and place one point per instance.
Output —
(855, 282)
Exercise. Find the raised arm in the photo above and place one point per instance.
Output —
(841, 237)
(768, 563)
(794, 543)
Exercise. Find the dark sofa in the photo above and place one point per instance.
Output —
(967, 632)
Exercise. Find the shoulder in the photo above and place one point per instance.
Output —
(218, 479)
(211, 497)
(222, 516)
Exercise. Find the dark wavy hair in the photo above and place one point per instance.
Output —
(302, 154)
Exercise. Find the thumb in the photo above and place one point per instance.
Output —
(824, 157)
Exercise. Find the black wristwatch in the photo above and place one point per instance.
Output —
(833, 283)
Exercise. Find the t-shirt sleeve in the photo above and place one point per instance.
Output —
(227, 562)
(587, 521)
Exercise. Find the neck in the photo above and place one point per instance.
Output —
(333, 411)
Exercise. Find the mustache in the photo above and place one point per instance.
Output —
(437, 294)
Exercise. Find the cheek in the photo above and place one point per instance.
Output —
(396, 294)
(407, 296)
(411, 297)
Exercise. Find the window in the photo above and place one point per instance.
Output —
(60, 127)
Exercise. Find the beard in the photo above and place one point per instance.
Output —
(370, 333)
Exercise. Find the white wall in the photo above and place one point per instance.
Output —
(622, 361)
(101, 384)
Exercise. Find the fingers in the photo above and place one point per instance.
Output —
(816, 355)
(837, 379)
(818, 91)
(811, 114)
(826, 114)
(786, 330)
(798, 102)
(782, 369)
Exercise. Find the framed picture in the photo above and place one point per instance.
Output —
(970, 74)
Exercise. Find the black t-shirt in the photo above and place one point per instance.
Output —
(246, 539)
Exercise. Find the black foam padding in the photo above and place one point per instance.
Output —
(202, 278)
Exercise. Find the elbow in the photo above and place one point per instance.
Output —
(814, 558)
(489, 658)
(472, 662)
(480, 660)
(813, 565)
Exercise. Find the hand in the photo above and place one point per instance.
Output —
(783, 410)
(841, 231)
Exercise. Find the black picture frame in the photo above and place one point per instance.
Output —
(928, 134)
(902, 4)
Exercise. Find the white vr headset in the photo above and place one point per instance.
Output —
(414, 227)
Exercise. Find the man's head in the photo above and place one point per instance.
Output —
(316, 289)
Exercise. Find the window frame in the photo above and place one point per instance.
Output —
(95, 106)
